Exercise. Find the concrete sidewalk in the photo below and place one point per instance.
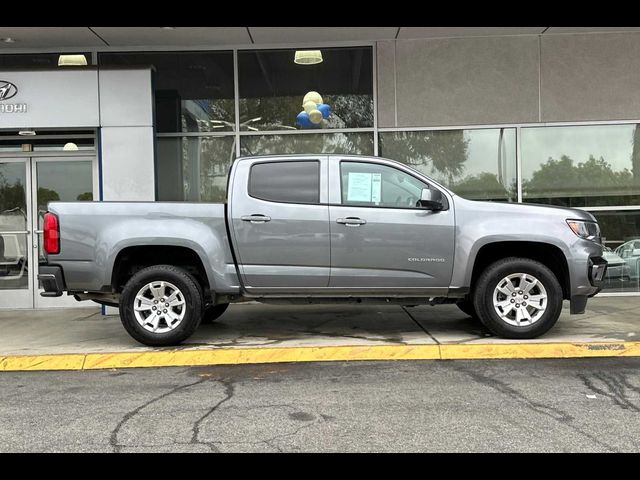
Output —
(317, 332)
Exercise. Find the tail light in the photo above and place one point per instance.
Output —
(51, 235)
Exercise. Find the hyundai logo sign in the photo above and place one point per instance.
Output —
(7, 90)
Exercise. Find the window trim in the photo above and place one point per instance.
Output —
(316, 161)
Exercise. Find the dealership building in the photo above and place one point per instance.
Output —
(510, 114)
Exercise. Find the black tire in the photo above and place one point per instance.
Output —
(487, 283)
(193, 302)
(212, 312)
(466, 306)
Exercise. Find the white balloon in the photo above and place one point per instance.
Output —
(313, 97)
(309, 106)
(315, 116)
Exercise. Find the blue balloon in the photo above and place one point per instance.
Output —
(325, 110)
(303, 120)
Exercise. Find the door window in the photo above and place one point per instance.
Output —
(13, 226)
(286, 182)
(374, 185)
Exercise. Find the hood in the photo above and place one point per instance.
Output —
(526, 209)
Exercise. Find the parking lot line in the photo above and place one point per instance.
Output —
(230, 356)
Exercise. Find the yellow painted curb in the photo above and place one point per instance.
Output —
(42, 362)
(233, 356)
(230, 356)
(538, 350)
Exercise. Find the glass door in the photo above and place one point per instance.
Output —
(16, 252)
(65, 179)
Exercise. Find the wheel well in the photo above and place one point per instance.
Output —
(545, 253)
(132, 259)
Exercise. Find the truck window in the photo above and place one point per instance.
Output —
(373, 185)
(286, 182)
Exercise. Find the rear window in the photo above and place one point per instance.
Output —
(287, 182)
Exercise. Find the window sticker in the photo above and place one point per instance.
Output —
(359, 187)
(376, 188)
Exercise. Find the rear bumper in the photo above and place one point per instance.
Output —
(52, 280)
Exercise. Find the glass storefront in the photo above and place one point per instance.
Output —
(197, 95)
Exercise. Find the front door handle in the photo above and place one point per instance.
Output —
(351, 221)
(255, 218)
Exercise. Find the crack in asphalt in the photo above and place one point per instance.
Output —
(552, 412)
(229, 390)
(113, 438)
(616, 389)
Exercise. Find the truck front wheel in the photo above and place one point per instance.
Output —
(518, 298)
(161, 305)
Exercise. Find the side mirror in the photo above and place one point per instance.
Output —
(431, 199)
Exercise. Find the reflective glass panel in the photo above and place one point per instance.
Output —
(475, 164)
(194, 169)
(345, 143)
(273, 86)
(13, 221)
(61, 181)
(193, 90)
(581, 166)
(621, 237)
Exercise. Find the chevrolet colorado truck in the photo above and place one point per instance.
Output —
(323, 228)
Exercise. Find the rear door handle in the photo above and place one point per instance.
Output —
(255, 218)
(351, 221)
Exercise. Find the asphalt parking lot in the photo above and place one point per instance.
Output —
(568, 405)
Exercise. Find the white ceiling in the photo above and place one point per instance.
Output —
(118, 37)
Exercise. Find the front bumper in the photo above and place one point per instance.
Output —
(52, 280)
(596, 271)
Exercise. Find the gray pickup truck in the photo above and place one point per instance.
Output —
(323, 229)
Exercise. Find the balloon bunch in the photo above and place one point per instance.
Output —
(314, 111)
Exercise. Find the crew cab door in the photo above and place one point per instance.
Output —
(380, 240)
(280, 223)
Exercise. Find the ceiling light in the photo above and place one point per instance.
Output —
(70, 147)
(168, 28)
(308, 57)
(7, 40)
(71, 60)
(27, 133)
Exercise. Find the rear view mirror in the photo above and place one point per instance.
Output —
(431, 199)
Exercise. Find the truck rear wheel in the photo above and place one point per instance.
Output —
(161, 305)
(518, 298)
(212, 312)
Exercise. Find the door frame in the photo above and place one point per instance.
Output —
(30, 299)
